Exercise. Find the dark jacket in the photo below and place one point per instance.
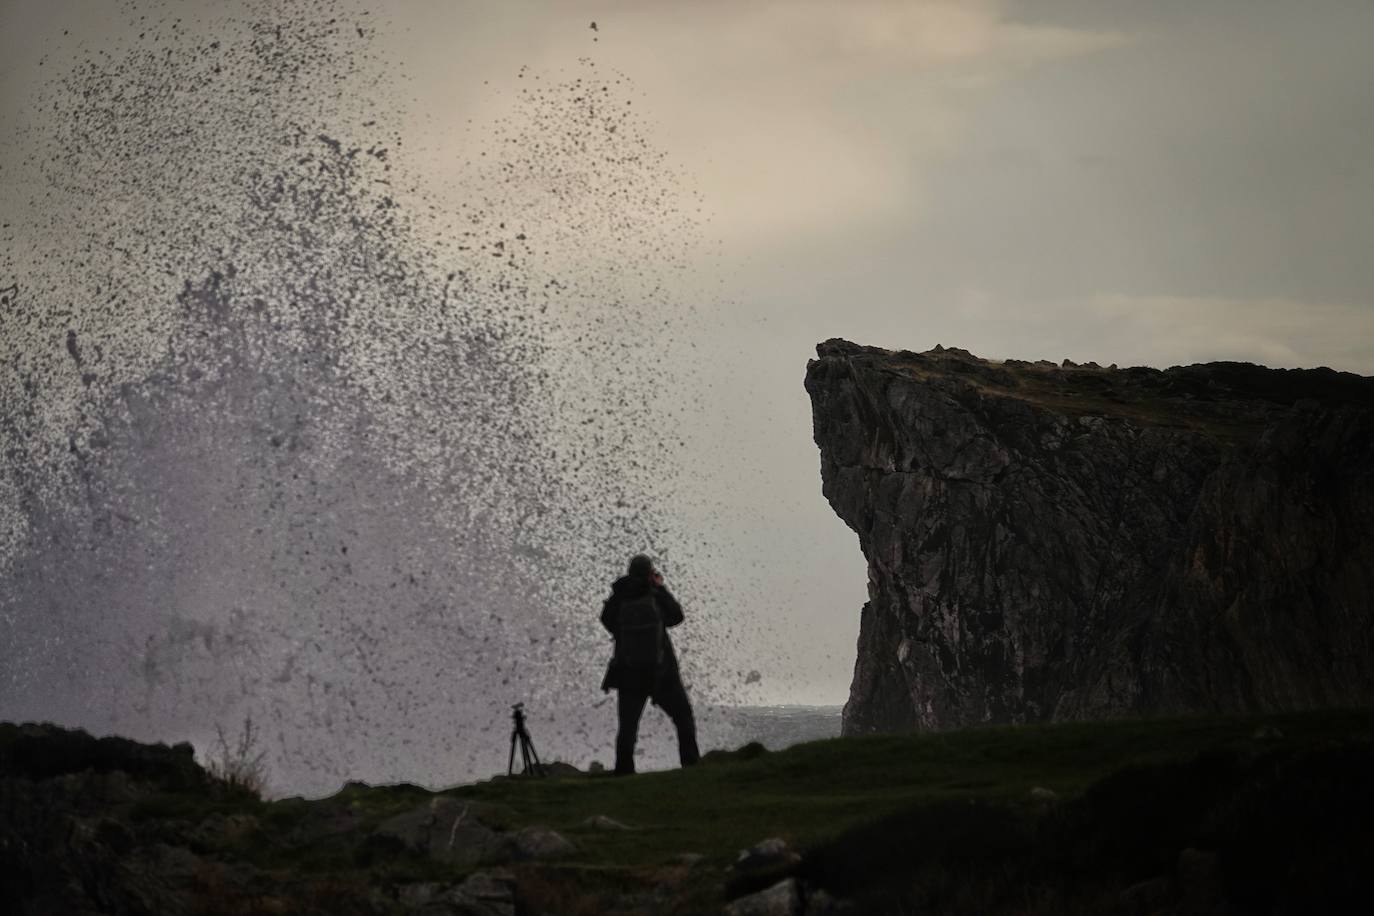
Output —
(626, 588)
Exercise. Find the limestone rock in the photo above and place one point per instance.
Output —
(417, 895)
(820, 903)
(484, 893)
(1065, 543)
(541, 843)
(448, 829)
(1149, 896)
(781, 899)
(768, 855)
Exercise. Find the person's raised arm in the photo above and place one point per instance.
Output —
(668, 606)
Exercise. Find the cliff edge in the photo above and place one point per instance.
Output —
(1066, 541)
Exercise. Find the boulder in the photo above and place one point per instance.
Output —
(448, 829)
(767, 855)
(540, 843)
(820, 903)
(1149, 896)
(483, 893)
(781, 899)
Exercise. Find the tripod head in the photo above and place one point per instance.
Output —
(518, 714)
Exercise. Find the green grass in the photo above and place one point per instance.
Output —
(1230, 403)
(814, 792)
(939, 822)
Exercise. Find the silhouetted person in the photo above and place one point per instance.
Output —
(638, 615)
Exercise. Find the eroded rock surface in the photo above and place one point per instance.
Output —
(1061, 542)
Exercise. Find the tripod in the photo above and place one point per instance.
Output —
(519, 735)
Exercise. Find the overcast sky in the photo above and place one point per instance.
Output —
(1140, 183)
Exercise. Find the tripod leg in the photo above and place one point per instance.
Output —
(538, 767)
(510, 764)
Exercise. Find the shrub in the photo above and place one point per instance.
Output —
(240, 767)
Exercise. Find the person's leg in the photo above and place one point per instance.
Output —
(671, 697)
(630, 705)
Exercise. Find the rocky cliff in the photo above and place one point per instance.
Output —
(1067, 541)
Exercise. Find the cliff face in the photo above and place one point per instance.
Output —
(1062, 542)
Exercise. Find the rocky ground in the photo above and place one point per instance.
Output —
(1235, 815)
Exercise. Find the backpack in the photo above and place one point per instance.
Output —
(639, 643)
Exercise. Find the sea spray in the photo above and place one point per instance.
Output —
(281, 440)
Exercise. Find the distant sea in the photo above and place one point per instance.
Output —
(718, 728)
(776, 727)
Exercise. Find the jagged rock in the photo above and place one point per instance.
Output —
(781, 899)
(1148, 896)
(761, 865)
(483, 893)
(43, 751)
(448, 829)
(767, 855)
(219, 829)
(1042, 794)
(820, 903)
(541, 843)
(318, 822)
(417, 895)
(1047, 543)
(602, 822)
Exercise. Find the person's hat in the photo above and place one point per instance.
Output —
(640, 565)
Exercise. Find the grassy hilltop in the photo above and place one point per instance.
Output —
(1257, 814)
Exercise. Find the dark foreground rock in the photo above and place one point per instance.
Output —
(108, 825)
(1210, 817)
(1257, 830)
(1072, 542)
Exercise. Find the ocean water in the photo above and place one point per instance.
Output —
(779, 727)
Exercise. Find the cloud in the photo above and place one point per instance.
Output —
(1165, 330)
(806, 117)
(1273, 332)
(1158, 330)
